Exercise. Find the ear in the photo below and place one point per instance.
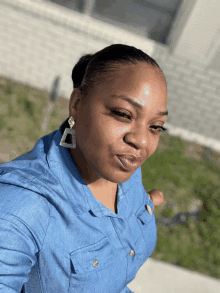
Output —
(74, 99)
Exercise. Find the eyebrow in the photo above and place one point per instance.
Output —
(136, 103)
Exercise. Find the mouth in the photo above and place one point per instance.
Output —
(127, 164)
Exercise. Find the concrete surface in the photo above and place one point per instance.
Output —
(156, 277)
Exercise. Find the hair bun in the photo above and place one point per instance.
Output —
(79, 70)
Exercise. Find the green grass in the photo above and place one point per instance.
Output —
(178, 168)
(182, 179)
(22, 112)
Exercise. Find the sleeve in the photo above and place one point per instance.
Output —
(17, 253)
(126, 290)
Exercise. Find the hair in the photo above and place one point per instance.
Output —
(92, 70)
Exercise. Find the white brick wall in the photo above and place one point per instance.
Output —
(193, 98)
(41, 40)
(181, 19)
(199, 37)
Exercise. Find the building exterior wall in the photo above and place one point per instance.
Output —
(184, 12)
(215, 62)
(42, 40)
(193, 98)
(200, 36)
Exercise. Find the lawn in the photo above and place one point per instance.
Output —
(180, 169)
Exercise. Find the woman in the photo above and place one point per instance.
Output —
(74, 214)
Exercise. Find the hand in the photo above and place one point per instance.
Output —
(157, 197)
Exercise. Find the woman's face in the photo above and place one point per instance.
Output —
(101, 134)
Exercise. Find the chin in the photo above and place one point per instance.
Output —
(117, 178)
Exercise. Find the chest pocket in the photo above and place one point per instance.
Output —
(147, 224)
(86, 265)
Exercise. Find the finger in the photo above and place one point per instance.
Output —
(157, 197)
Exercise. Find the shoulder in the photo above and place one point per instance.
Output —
(22, 204)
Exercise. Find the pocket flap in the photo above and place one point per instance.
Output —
(92, 257)
(143, 213)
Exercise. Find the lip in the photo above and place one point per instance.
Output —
(130, 163)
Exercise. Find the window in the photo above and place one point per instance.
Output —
(148, 18)
(71, 4)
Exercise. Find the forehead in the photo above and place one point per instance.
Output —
(138, 81)
(144, 84)
(135, 75)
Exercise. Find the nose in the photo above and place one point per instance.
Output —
(138, 137)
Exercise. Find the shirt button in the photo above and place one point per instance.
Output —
(131, 252)
(95, 262)
(149, 209)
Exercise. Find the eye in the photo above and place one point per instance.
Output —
(123, 114)
(161, 129)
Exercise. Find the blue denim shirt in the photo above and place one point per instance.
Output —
(55, 236)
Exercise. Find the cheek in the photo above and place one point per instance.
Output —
(119, 131)
(104, 135)
(103, 129)
(82, 134)
(98, 135)
(154, 146)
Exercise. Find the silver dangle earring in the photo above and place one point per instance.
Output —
(69, 131)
